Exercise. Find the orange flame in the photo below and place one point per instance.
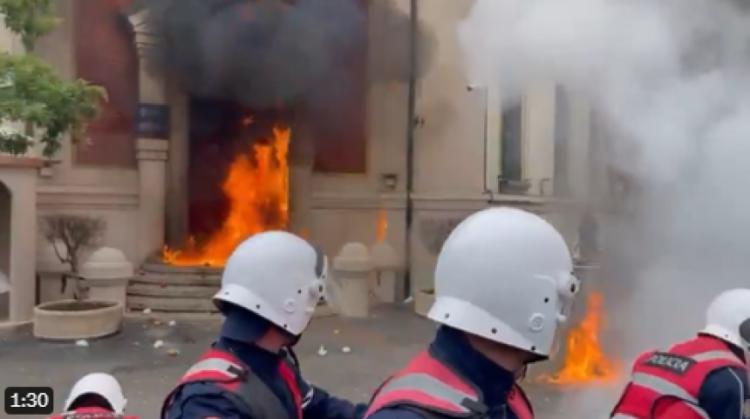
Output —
(584, 359)
(381, 229)
(304, 232)
(257, 187)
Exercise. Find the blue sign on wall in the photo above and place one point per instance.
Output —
(152, 121)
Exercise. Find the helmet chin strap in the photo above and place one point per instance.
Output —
(520, 374)
(745, 338)
(294, 340)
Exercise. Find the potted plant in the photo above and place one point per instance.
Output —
(70, 236)
(81, 317)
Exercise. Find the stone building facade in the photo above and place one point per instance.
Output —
(468, 151)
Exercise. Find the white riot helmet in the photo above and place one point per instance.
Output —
(100, 384)
(277, 276)
(728, 318)
(506, 275)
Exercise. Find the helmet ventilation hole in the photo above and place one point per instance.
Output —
(546, 299)
(257, 306)
(533, 348)
(299, 291)
(494, 330)
(286, 326)
(447, 315)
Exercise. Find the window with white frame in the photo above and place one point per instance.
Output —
(533, 143)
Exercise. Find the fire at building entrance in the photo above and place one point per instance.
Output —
(239, 181)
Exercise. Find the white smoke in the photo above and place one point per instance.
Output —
(671, 77)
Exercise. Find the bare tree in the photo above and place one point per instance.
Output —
(77, 233)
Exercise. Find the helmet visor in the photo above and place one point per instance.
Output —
(319, 290)
(568, 288)
(745, 334)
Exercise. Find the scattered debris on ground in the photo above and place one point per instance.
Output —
(83, 343)
(346, 349)
(322, 351)
(158, 344)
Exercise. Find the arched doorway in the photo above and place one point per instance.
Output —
(5, 198)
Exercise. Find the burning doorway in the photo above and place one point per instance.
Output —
(238, 179)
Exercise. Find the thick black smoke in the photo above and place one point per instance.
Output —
(264, 53)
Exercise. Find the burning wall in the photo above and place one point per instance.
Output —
(313, 56)
(309, 57)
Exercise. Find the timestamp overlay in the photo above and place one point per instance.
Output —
(29, 400)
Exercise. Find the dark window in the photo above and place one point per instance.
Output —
(336, 113)
(511, 143)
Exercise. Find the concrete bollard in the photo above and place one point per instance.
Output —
(388, 268)
(106, 274)
(50, 271)
(351, 273)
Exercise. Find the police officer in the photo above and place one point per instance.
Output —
(702, 378)
(502, 285)
(96, 395)
(271, 286)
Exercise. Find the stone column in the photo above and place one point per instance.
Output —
(579, 164)
(19, 175)
(152, 145)
(178, 182)
(301, 160)
(539, 138)
(152, 173)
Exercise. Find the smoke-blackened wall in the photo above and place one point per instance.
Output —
(265, 53)
(261, 53)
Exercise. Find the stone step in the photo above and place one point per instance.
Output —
(152, 278)
(178, 305)
(179, 270)
(177, 291)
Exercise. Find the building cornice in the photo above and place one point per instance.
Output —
(86, 197)
(436, 201)
(394, 201)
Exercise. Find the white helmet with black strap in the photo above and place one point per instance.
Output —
(276, 275)
(728, 318)
(100, 384)
(505, 274)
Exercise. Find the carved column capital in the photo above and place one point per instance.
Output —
(145, 39)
